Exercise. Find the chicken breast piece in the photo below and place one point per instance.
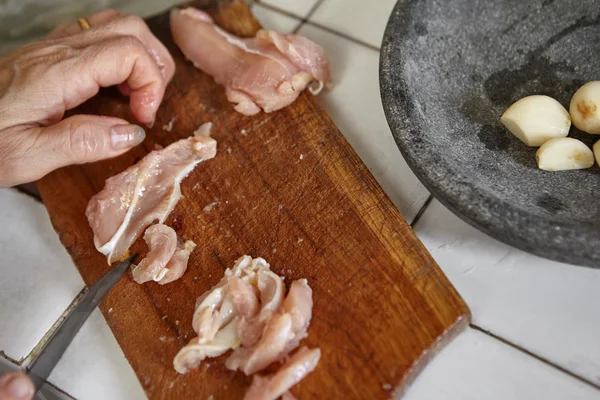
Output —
(191, 355)
(269, 337)
(266, 72)
(144, 193)
(167, 257)
(268, 349)
(178, 264)
(293, 371)
(162, 242)
(247, 312)
(298, 304)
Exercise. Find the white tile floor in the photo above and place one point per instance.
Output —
(275, 20)
(95, 362)
(476, 367)
(541, 305)
(299, 8)
(29, 249)
(535, 306)
(355, 18)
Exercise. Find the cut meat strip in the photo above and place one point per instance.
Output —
(266, 72)
(293, 371)
(270, 347)
(271, 291)
(167, 257)
(244, 297)
(144, 193)
(267, 327)
(298, 304)
(177, 265)
(278, 337)
(192, 355)
(162, 242)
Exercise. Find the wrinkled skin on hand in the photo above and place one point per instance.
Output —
(41, 81)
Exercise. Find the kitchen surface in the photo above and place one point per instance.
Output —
(534, 323)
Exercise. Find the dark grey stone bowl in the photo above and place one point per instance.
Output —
(449, 69)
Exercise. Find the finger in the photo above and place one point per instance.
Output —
(74, 140)
(131, 25)
(15, 386)
(136, 26)
(112, 62)
(72, 28)
(86, 138)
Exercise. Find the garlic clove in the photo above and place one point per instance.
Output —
(596, 148)
(562, 154)
(585, 108)
(537, 119)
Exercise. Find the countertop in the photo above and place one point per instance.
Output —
(535, 325)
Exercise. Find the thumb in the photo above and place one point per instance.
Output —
(86, 138)
(15, 386)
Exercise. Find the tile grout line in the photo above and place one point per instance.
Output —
(344, 36)
(306, 20)
(421, 211)
(312, 10)
(278, 10)
(9, 359)
(537, 357)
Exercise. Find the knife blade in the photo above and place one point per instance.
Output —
(44, 363)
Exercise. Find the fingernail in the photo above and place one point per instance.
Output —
(20, 387)
(126, 136)
(151, 124)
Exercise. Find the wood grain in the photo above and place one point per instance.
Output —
(289, 188)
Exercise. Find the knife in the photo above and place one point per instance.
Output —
(44, 363)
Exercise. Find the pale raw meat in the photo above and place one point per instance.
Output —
(244, 298)
(298, 304)
(269, 348)
(213, 310)
(144, 193)
(177, 265)
(162, 242)
(293, 371)
(167, 257)
(250, 298)
(192, 354)
(265, 72)
(271, 291)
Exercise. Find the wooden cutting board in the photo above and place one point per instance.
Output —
(285, 186)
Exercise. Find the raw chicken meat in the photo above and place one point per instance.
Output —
(162, 241)
(269, 348)
(144, 193)
(247, 313)
(167, 257)
(191, 355)
(293, 371)
(266, 72)
(177, 265)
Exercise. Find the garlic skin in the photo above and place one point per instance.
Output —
(537, 119)
(585, 108)
(563, 154)
(596, 148)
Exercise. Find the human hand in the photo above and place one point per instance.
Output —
(41, 81)
(15, 386)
